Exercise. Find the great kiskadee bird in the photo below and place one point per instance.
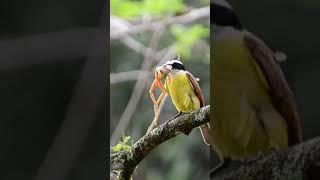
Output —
(184, 91)
(253, 107)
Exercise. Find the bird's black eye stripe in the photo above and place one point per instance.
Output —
(178, 66)
(223, 16)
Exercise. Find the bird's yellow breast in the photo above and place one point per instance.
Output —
(245, 121)
(181, 92)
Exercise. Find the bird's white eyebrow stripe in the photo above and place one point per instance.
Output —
(173, 61)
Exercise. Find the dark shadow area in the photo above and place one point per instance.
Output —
(53, 90)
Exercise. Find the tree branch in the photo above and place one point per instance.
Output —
(298, 162)
(125, 29)
(126, 161)
(129, 76)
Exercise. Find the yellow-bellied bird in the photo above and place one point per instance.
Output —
(253, 107)
(184, 91)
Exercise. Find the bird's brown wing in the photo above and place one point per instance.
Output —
(196, 88)
(278, 87)
(204, 129)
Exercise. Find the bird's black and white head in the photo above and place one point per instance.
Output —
(173, 66)
(223, 17)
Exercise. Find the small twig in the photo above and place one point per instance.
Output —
(171, 52)
(134, 45)
(191, 16)
(126, 161)
(160, 54)
(129, 76)
(117, 23)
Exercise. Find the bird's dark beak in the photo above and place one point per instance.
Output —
(162, 71)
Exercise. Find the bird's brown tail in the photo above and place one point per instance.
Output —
(205, 132)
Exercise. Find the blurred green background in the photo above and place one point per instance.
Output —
(183, 157)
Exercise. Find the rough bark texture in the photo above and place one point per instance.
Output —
(126, 161)
(300, 162)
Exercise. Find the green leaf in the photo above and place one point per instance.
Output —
(131, 9)
(116, 148)
(126, 147)
(162, 7)
(187, 36)
(126, 8)
(122, 144)
(126, 139)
